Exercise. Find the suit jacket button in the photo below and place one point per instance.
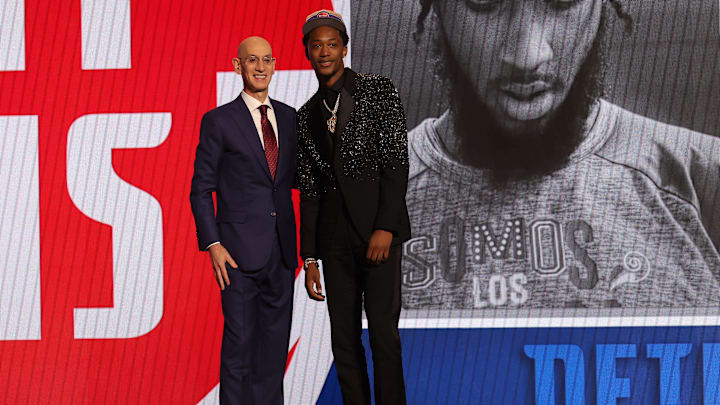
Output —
(272, 214)
(274, 189)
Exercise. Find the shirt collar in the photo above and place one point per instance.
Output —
(330, 93)
(253, 103)
(338, 85)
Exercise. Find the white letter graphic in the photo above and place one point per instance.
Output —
(12, 35)
(19, 228)
(105, 34)
(134, 215)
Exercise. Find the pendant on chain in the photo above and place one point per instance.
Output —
(333, 114)
(331, 123)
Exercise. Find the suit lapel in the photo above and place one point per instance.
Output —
(245, 123)
(347, 106)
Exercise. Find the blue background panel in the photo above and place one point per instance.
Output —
(489, 366)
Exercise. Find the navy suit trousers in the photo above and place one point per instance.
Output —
(257, 306)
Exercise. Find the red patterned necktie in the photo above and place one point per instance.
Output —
(271, 149)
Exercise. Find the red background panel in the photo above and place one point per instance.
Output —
(177, 48)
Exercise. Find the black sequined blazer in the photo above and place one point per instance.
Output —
(367, 162)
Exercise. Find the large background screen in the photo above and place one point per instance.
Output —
(594, 281)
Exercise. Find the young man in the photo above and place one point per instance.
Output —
(247, 156)
(533, 192)
(352, 176)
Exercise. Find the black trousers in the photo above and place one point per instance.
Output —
(349, 281)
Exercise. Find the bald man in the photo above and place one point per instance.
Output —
(247, 156)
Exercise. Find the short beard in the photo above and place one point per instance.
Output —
(484, 143)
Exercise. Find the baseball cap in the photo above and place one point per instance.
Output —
(323, 18)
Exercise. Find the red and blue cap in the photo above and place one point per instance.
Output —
(323, 18)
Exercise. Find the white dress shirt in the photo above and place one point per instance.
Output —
(254, 106)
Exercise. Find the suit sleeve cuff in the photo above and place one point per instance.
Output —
(385, 223)
(393, 232)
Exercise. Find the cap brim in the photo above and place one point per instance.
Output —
(320, 22)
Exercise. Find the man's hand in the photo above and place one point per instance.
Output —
(379, 246)
(312, 282)
(219, 256)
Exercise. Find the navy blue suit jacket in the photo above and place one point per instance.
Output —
(251, 207)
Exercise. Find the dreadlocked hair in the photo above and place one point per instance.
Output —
(420, 26)
(427, 6)
(622, 14)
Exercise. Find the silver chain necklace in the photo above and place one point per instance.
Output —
(333, 118)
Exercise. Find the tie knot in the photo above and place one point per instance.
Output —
(263, 110)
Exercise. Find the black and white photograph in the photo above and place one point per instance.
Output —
(564, 158)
